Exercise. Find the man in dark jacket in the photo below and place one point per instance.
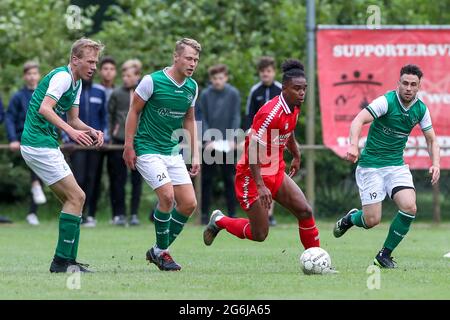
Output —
(88, 164)
(220, 105)
(14, 122)
(118, 107)
(263, 91)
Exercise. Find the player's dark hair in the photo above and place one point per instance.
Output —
(411, 69)
(292, 68)
(30, 65)
(218, 68)
(265, 62)
(107, 59)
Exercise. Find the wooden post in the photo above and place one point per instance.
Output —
(310, 101)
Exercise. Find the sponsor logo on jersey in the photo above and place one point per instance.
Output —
(394, 133)
(281, 140)
(163, 112)
(166, 112)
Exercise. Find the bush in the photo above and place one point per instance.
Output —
(15, 181)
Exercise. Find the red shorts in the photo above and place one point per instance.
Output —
(245, 186)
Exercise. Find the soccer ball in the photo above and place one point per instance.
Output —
(315, 260)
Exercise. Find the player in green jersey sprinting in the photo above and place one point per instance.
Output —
(56, 94)
(162, 104)
(381, 169)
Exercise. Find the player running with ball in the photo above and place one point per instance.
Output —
(56, 94)
(381, 169)
(261, 176)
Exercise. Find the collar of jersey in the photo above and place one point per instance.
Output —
(172, 79)
(284, 105)
(74, 84)
(401, 104)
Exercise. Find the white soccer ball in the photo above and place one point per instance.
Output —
(315, 260)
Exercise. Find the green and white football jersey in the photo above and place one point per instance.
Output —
(163, 113)
(38, 132)
(390, 130)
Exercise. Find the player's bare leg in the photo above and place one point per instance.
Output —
(291, 197)
(72, 197)
(405, 200)
(255, 228)
(70, 194)
(259, 221)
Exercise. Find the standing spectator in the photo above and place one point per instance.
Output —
(266, 89)
(88, 164)
(118, 106)
(14, 121)
(220, 105)
(108, 75)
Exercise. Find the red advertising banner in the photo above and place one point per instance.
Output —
(355, 66)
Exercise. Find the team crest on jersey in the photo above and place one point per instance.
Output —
(190, 97)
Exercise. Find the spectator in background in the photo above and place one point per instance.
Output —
(266, 89)
(14, 122)
(87, 165)
(118, 107)
(107, 75)
(220, 105)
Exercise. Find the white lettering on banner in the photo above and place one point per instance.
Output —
(391, 50)
(434, 97)
(418, 141)
(413, 142)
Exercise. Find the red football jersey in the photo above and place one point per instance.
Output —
(272, 126)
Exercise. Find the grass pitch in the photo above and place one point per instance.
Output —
(230, 269)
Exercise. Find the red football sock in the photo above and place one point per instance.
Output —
(238, 226)
(309, 234)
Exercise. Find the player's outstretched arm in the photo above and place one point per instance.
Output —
(191, 127)
(46, 110)
(136, 107)
(361, 119)
(434, 152)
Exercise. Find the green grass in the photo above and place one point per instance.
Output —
(230, 269)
